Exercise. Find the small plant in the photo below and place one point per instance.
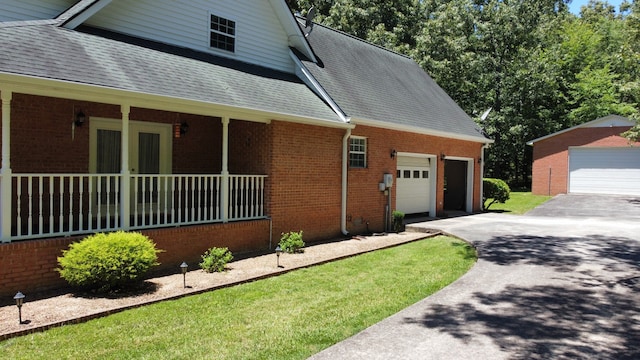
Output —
(398, 221)
(291, 242)
(109, 261)
(215, 259)
(495, 189)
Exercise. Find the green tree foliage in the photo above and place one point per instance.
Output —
(494, 191)
(537, 66)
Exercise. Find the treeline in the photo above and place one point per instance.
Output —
(538, 67)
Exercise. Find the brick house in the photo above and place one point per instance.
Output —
(201, 123)
(588, 158)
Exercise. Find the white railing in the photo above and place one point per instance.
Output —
(48, 205)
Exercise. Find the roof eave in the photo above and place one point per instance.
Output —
(587, 124)
(95, 93)
(81, 12)
(290, 25)
(419, 130)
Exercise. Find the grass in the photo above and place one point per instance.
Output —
(291, 316)
(519, 203)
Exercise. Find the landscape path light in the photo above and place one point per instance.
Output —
(278, 252)
(19, 298)
(183, 268)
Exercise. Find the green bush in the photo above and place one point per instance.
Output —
(398, 220)
(107, 261)
(495, 190)
(291, 242)
(215, 259)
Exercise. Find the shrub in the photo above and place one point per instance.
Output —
(291, 242)
(107, 261)
(495, 190)
(398, 220)
(215, 259)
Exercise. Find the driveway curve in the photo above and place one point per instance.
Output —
(545, 286)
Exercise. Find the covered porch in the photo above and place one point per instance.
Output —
(139, 170)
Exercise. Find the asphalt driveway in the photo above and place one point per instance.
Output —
(554, 284)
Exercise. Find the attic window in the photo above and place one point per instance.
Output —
(358, 152)
(223, 33)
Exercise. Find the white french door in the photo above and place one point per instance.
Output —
(149, 153)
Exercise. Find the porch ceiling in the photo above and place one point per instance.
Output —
(108, 62)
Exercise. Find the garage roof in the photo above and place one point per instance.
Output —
(375, 85)
(606, 121)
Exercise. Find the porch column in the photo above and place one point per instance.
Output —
(125, 172)
(5, 172)
(224, 186)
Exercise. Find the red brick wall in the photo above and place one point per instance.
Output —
(305, 181)
(366, 203)
(304, 185)
(29, 266)
(42, 139)
(550, 172)
(249, 145)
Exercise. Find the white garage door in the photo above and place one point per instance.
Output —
(604, 170)
(413, 185)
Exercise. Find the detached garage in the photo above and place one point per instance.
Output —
(589, 158)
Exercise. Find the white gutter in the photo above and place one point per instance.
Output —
(345, 162)
(419, 130)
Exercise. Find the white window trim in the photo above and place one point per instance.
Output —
(364, 152)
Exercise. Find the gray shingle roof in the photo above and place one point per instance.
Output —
(136, 65)
(372, 83)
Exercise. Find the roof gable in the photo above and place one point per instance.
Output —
(373, 85)
(102, 59)
(605, 121)
(264, 30)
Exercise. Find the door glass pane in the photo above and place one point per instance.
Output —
(148, 153)
(108, 154)
(148, 163)
(108, 158)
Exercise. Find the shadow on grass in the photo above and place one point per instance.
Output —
(596, 316)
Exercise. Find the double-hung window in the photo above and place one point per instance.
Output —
(358, 152)
(223, 33)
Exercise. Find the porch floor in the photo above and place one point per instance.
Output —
(43, 311)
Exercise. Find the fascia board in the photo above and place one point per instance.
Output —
(585, 125)
(83, 15)
(418, 130)
(94, 93)
(305, 75)
(290, 25)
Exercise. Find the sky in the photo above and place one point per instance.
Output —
(575, 5)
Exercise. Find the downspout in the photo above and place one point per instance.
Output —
(345, 162)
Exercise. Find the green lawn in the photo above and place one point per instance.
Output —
(291, 316)
(519, 203)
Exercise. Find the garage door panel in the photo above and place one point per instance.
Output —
(604, 170)
(413, 185)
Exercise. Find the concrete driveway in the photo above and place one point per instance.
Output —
(552, 284)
